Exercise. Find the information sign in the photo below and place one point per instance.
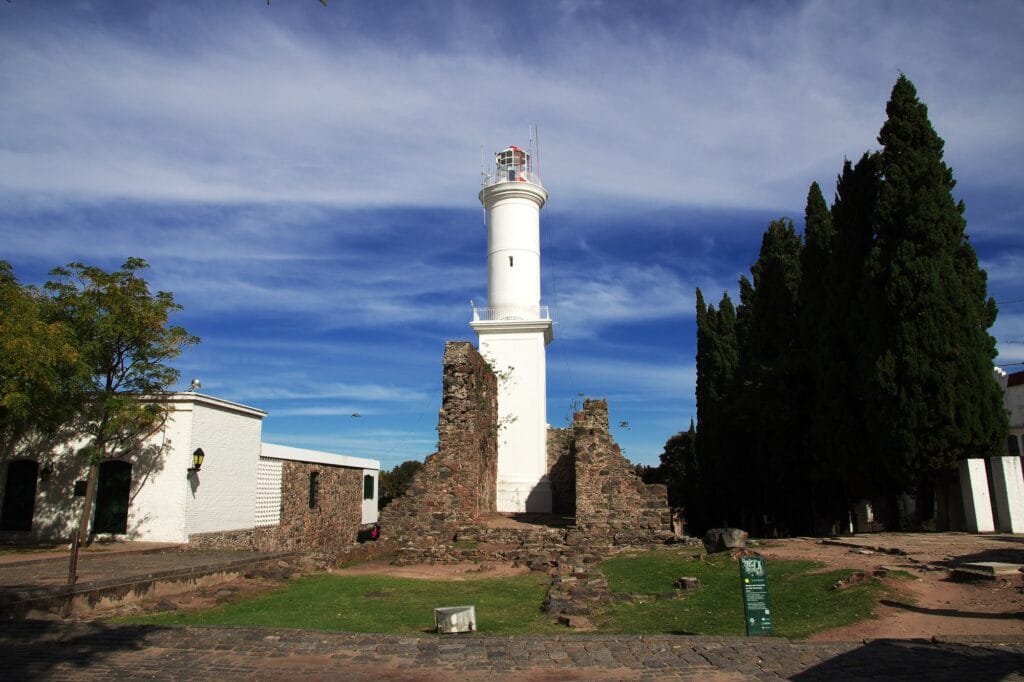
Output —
(757, 610)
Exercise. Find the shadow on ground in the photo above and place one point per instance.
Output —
(951, 613)
(1010, 555)
(916, 660)
(22, 642)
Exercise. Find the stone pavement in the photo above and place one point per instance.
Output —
(40, 584)
(123, 566)
(55, 650)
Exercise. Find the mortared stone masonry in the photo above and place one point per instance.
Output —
(457, 484)
(455, 489)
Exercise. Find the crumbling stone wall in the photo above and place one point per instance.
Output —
(458, 483)
(611, 500)
(562, 471)
(330, 525)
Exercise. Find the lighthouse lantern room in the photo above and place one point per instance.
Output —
(514, 328)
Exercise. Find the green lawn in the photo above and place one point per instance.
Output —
(367, 603)
(802, 603)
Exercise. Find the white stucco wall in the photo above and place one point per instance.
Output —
(222, 495)
(370, 506)
(156, 510)
(1013, 400)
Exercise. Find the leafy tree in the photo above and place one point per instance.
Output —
(394, 483)
(125, 342)
(931, 382)
(679, 468)
(40, 375)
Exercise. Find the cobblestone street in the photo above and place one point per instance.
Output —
(85, 651)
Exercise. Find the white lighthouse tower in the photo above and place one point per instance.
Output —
(515, 328)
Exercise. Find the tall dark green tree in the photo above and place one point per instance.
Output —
(855, 335)
(931, 383)
(815, 347)
(772, 394)
(716, 436)
(679, 469)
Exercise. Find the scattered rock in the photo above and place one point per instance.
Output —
(165, 605)
(739, 553)
(721, 539)
(581, 623)
(858, 577)
(687, 583)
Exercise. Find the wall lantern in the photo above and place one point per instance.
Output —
(197, 459)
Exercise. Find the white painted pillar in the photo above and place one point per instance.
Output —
(977, 503)
(1008, 489)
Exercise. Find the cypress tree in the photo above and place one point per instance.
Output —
(931, 383)
(854, 431)
(772, 382)
(815, 345)
(717, 355)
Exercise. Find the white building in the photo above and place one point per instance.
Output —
(158, 494)
(514, 329)
(1013, 400)
(993, 489)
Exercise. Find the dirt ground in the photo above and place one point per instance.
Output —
(925, 605)
(931, 603)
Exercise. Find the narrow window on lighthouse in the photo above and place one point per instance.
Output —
(510, 261)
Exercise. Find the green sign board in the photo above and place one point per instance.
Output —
(757, 609)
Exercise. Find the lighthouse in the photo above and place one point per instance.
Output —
(514, 329)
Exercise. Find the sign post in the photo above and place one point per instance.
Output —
(757, 613)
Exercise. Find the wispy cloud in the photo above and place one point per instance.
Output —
(686, 106)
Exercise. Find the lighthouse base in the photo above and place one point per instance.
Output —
(515, 351)
(518, 496)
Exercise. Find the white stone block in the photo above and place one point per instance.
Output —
(977, 503)
(1008, 490)
(452, 619)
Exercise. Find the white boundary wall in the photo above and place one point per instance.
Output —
(1008, 491)
(977, 503)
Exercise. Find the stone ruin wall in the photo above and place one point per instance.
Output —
(330, 526)
(562, 471)
(458, 483)
(438, 518)
(612, 502)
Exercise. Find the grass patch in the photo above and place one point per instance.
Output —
(368, 603)
(802, 603)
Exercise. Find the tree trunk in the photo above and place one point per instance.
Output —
(81, 535)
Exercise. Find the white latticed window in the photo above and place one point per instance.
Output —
(268, 492)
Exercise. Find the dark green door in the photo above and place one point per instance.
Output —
(112, 488)
(19, 495)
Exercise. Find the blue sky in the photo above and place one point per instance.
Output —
(304, 178)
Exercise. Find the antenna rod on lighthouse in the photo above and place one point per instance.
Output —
(535, 139)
